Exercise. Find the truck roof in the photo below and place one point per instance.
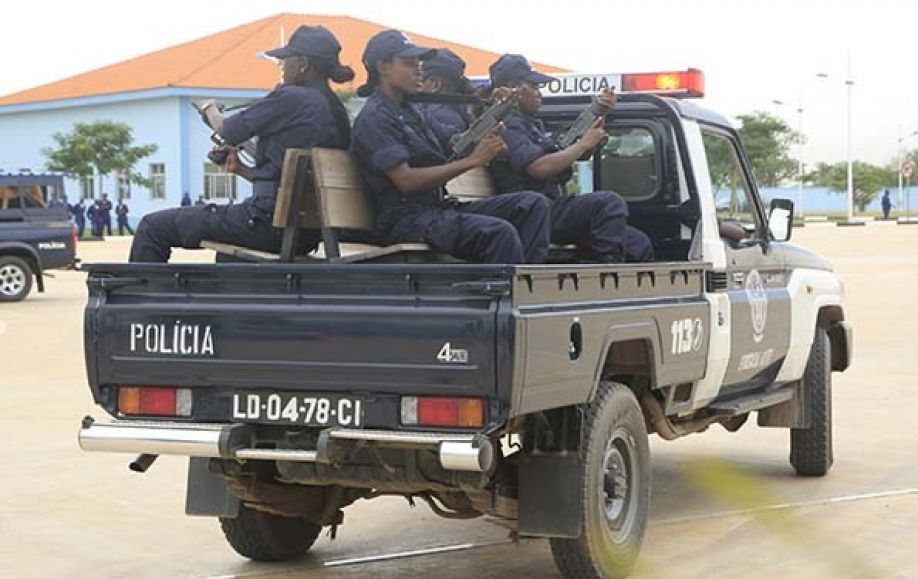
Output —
(30, 179)
(572, 105)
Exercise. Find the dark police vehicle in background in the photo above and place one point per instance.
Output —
(34, 236)
(525, 393)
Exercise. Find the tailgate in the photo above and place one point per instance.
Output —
(327, 328)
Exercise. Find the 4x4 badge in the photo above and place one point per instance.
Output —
(450, 355)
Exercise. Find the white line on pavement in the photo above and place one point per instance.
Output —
(784, 506)
(658, 523)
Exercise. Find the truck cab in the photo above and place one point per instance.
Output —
(521, 392)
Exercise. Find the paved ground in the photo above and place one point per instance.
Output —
(64, 513)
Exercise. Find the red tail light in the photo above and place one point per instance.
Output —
(154, 401)
(74, 235)
(439, 411)
(686, 83)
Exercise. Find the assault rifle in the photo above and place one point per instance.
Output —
(246, 150)
(582, 123)
(465, 142)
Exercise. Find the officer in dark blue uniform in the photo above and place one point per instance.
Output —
(78, 210)
(301, 113)
(95, 220)
(595, 222)
(445, 73)
(121, 213)
(105, 214)
(404, 166)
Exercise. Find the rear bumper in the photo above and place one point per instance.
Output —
(457, 451)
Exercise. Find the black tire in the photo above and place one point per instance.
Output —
(267, 537)
(15, 278)
(615, 510)
(811, 447)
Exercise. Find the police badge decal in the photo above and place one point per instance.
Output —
(758, 304)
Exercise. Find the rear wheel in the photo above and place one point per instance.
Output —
(811, 447)
(15, 279)
(267, 537)
(616, 489)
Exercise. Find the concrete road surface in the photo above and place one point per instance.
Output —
(725, 505)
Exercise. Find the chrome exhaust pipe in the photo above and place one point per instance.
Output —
(142, 462)
(467, 456)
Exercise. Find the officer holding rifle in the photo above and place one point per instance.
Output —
(596, 222)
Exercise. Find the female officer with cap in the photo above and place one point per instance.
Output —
(302, 112)
(445, 73)
(534, 161)
(405, 167)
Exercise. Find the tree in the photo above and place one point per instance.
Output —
(768, 141)
(868, 180)
(101, 147)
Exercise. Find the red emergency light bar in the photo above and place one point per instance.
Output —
(686, 83)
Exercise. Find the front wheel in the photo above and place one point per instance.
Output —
(267, 537)
(15, 278)
(811, 447)
(616, 489)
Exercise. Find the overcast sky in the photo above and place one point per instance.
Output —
(752, 52)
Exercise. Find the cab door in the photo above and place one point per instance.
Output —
(754, 275)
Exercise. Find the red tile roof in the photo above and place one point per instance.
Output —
(227, 60)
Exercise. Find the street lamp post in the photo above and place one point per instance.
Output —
(799, 150)
(849, 83)
(899, 160)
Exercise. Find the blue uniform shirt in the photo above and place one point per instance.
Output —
(387, 134)
(289, 117)
(527, 140)
(446, 120)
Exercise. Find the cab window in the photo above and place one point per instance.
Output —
(627, 164)
(732, 193)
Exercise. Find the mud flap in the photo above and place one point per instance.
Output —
(208, 494)
(551, 491)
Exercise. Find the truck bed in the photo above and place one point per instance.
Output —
(377, 329)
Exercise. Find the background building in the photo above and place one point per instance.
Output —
(153, 94)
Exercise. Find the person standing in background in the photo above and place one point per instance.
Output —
(886, 203)
(78, 210)
(105, 214)
(121, 213)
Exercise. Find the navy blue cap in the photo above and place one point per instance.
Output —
(511, 68)
(315, 41)
(446, 64)
(389, 44)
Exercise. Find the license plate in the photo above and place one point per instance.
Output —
(298, 409)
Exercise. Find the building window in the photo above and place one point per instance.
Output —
(218, 184)
(124, 185)
(158, 177)
(87, 187)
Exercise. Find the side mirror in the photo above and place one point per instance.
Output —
(780, 219)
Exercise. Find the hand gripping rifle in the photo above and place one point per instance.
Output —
(465, 142)
(246, 150)
(583, 123)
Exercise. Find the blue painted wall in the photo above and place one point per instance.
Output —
(165, 119)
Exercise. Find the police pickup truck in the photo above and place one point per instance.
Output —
(523, 393)
(33, 236)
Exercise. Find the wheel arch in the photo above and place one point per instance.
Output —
(31, 257)
(831, 317)
(629, 351)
